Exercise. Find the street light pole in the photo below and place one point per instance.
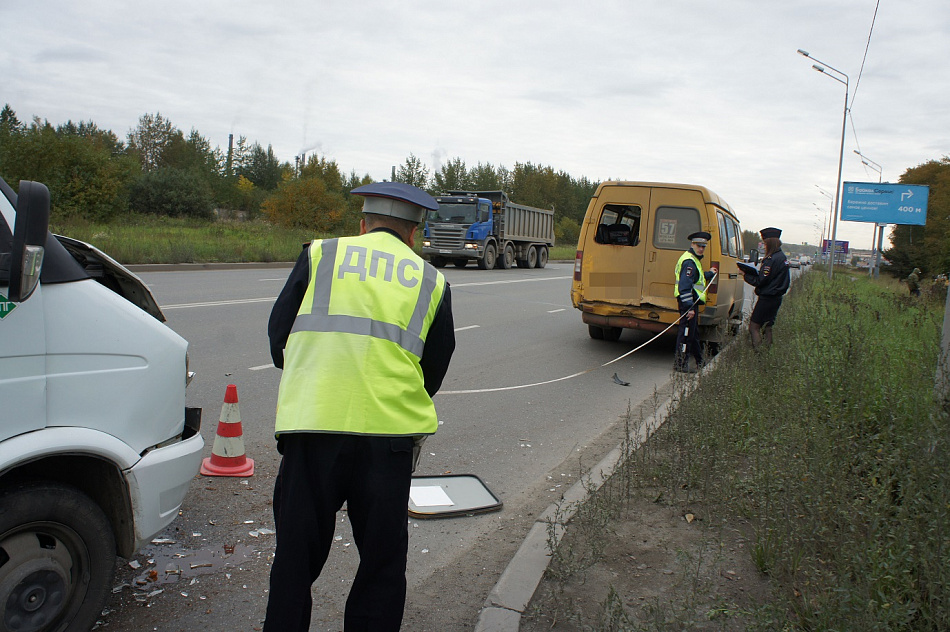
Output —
(824, 68)
(877, 236)
(831, 214)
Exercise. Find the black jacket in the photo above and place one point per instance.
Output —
(773, 278)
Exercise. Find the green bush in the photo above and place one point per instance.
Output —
(173, 193)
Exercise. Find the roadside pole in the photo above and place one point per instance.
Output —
(941, 381)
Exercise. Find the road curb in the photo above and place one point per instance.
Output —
(509, 598)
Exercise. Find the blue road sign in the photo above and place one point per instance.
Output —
(884, 203)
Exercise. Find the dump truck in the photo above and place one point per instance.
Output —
(487, 227)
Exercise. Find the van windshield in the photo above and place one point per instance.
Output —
(673, 226)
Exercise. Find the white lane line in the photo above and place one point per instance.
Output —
(555, 311)
(510, 281)
(469, 327)
(267, 299)
(262, 367)
(242, 301)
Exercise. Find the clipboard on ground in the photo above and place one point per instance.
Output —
(450, 495)
(747, 268)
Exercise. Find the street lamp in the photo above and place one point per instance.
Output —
(877, 237)
(824, 69)
(824, 225)
(831, 214)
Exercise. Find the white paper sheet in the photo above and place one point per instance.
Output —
(429, 496)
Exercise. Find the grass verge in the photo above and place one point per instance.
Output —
(823, 461)
(142, 239)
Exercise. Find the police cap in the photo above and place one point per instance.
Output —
(396, 199)
(768, 233)
(700, 237)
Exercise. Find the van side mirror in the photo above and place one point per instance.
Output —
(754, 256)
(29, 239)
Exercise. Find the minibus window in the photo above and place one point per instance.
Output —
(739, 245)
(619, 225)
(733, 248)
(673, 226)
(723, 234)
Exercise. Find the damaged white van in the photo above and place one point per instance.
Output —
(97, 449)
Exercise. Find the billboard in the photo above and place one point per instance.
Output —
(841, 247)
(884, 203)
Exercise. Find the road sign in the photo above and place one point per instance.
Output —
(884, 203)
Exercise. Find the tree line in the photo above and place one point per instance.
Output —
(926, 247)
(94, 175)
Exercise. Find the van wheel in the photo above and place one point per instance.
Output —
(487, 262)
(595, 332)
(57, 557)
(542, 256)
(612, 333)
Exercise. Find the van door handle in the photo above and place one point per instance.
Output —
(734, 276)
(653, 256)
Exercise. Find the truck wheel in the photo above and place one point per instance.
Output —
(487, 262)
(438, 262)
(532, 257)
(542, 256)
(57, 557)
(460, 263)
(507, 258)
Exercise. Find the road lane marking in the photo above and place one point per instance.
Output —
(454, 285)
(555, 311)
(469, 327)
(244, 301)
(263, 366)
(240, 301)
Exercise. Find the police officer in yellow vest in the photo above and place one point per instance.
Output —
(690, 292)
(363, 330)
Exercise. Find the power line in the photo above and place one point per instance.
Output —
(866, 47)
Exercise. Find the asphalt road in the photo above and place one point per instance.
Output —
(505, 415)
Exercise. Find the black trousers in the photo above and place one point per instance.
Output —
(317, 474)
(688, 333)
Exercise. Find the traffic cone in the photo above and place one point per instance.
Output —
(227, 454)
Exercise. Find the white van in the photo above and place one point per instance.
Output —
(97, 449)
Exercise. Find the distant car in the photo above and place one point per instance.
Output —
(794, 263)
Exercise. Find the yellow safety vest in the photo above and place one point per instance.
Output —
(351, 363)
(700, 285)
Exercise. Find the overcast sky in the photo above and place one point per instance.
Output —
(695, 91)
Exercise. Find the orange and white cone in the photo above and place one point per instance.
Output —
(227, 454)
